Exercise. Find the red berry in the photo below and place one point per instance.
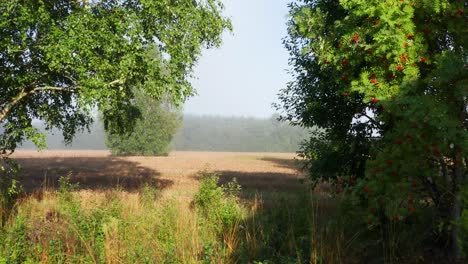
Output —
(399, 141)
(405, 45)
(403, 57)
(344, 61)
(345, 94)
(436, 152)
(426, 31)
(391, 76)
(374, 100)
(340, 46)
(366, 189)
(408, 136)
(410, 200)
(460, 12)
(409, 36)
(356, 38)
(326, 60)
(396, 218)
(369, 51)
(423, 60)
(374, 81)
(399, 68)
(394, 174)
(344, 77)
(389, 162)
(414, 185)
(377, 22)
(411, 208)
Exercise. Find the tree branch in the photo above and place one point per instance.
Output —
(370, 119)
(6, 110)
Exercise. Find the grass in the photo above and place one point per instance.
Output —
(69, 225)
(238, 210)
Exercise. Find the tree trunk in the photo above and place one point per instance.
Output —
(456, 207)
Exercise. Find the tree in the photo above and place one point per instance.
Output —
(61, 59)
(152, 133)
(387, 83)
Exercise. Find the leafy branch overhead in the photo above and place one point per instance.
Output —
(61, 59)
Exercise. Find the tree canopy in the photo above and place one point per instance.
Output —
(387, 83)
(61, 59)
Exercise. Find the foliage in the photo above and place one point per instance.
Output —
(10, 189)
(218, 204)
(386, 81)
(60, 59)
(15, 244)
(115, 226)
(152, 133)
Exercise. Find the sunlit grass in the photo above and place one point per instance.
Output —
(215, 226)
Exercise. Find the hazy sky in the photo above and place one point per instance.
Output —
(243, 77)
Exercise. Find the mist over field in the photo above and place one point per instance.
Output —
(201, 133)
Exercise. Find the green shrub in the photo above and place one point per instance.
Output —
(15, 246)
(152, 133)
(84, 229)
(218, 204)
(10, 189)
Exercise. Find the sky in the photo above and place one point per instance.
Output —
(244, 75)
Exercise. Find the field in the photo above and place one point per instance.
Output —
(175, 174)
(189, 207)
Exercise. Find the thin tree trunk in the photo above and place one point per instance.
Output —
(456, 206)
(455, 215)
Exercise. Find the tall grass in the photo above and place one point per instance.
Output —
(115, 226)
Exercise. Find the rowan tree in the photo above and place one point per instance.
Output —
(387, 83)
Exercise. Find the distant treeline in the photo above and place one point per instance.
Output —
(238, 134)
(204, 133)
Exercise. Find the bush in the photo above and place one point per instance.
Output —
(10, 189)
(152, 133)
(218, 204)
(14, 244)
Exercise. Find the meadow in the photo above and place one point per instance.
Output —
(189, 207)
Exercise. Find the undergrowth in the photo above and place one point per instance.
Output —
(115, 226)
